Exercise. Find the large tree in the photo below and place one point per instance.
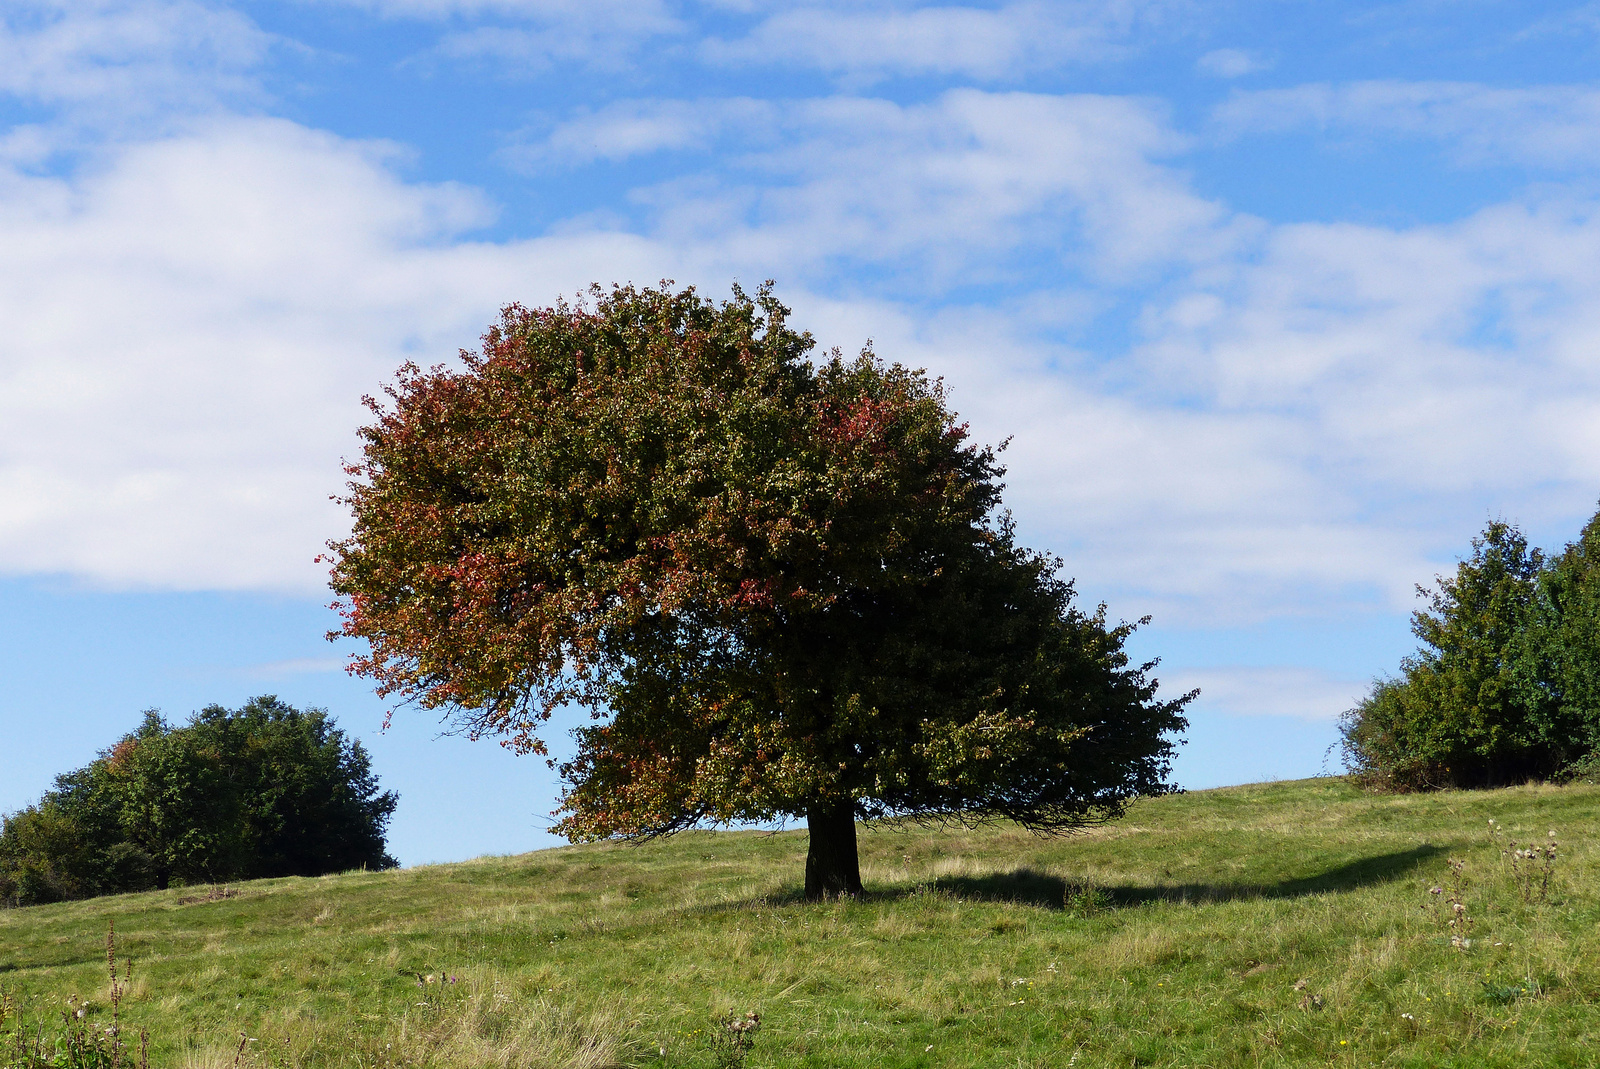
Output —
(783, 588)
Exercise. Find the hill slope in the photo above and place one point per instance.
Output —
(1179, 936)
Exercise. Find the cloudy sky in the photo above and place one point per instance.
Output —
(1280, 301)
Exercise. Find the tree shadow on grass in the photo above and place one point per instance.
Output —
(1030, 887)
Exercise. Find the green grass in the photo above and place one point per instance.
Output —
(1175, 937)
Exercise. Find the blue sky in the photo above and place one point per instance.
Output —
(1280, 302)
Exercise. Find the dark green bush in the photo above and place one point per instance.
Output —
(265, 790)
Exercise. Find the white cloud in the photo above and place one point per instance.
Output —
(1400, 385)
(867, 41)
(1550, 126)
(1279, 690)
(523, 36)
(1437, 355)
(632, 128)
(1583, 19)
(1230, 63)
(1309, 415)
(648, 14)
(963, 184)
(1305, 415)
(195, 320)
(519, 52)
(116, 57)
(858, 41)
(1190, 513)
(189, 330)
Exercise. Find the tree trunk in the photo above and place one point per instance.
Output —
(832, 868)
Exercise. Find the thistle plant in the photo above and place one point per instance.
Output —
(1449, 903)
(732, 1037)
(1532, 866)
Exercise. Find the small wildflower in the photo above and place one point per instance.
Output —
(1407, 1017)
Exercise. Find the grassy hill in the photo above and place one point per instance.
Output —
(1278, 924)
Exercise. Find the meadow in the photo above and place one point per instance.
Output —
(1284, 924)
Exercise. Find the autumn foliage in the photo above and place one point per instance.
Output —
(782, 587)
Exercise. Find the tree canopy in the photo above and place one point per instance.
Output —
(1506, 685)
(782, 587)
(264, 790)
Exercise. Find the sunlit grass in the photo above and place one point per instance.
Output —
(1280, 924)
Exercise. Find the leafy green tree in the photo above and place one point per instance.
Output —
(264, 790)
(1559, 660)
(1463, 713)
(177, 796)
(783, 589)
(44, 857)
(308, 799)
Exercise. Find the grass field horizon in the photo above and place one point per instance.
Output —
(1286, 923)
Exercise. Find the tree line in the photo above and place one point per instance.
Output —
(1506, 685)
(235, 794)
